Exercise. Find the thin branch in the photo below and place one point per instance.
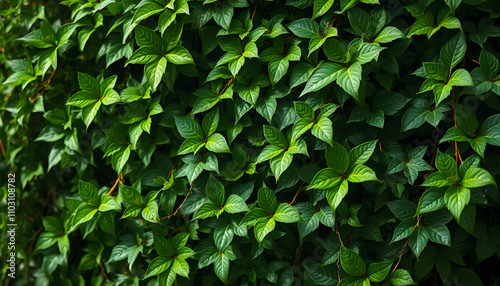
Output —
(226, 86)
(340, 248)
(400, 253)
(254, 10)
(119, 180)
(43, 86)
(203, 16)
(453, 106)
(179, 207)
(2, 147)
(299, 190)
(103, 271)
(127, 72)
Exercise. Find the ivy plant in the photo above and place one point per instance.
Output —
(250, 142)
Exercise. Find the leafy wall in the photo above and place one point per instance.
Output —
(299, 142)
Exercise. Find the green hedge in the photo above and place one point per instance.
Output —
(251, 142)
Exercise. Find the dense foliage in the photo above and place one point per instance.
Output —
(252, 142)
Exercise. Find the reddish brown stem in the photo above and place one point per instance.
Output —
(127, 72)
(119, 180)
(254, 10)
(2, 147)
(180, 206)
(299, 190)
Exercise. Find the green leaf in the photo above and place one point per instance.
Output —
(366, 53)
(301, 73)
(389, 34)
(403, 230)
(439, 179)
(402, 209)
(179, 56)
(223, 15)
(301, 127)
(223, 237)
(277, 69)
(286, 213)
(217, 144)
(147, 10)
(477, 177)
(431, 200)
(349, 79)
(180, 267)
(207, 210)
(414, 117)
(489, 63)
(147, 38)
(323, 130)
(210, 122)
(215, 191)
(89, 112)
(351, 262)
(436, 71)
(88, 83)
(150, 212)
(266, 107)
(267, 200)
(221, 266)
(189, 128)
(486, 246)
(172, 36)
(130, 195)
(154, 71)
(280, 163)
(446, 165)
(326, 179)
(305, 28)
(401, 277)
(269, 152)
(108, 203)
(455, 133)
(321, 7)
(456, 198)
(378, 271)
(51, 133)
(235, 204)
(490, 130)
(46, 240)
(439, 233)
(263, 226)
(190, 145)
(120, 158)
(362, 153)
(275, 137)
(157, 266)
(337, 194)
(460, 77)
(322, 76)
(304, 110)
(418, 240)
(83, 213)
(453, 51)
(144, 55)
(362, 173)
(337, 158)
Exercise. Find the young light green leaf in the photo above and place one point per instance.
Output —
(456, 198)
(217, 144)
(280, 163)
(286, 213)
(321, 7)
